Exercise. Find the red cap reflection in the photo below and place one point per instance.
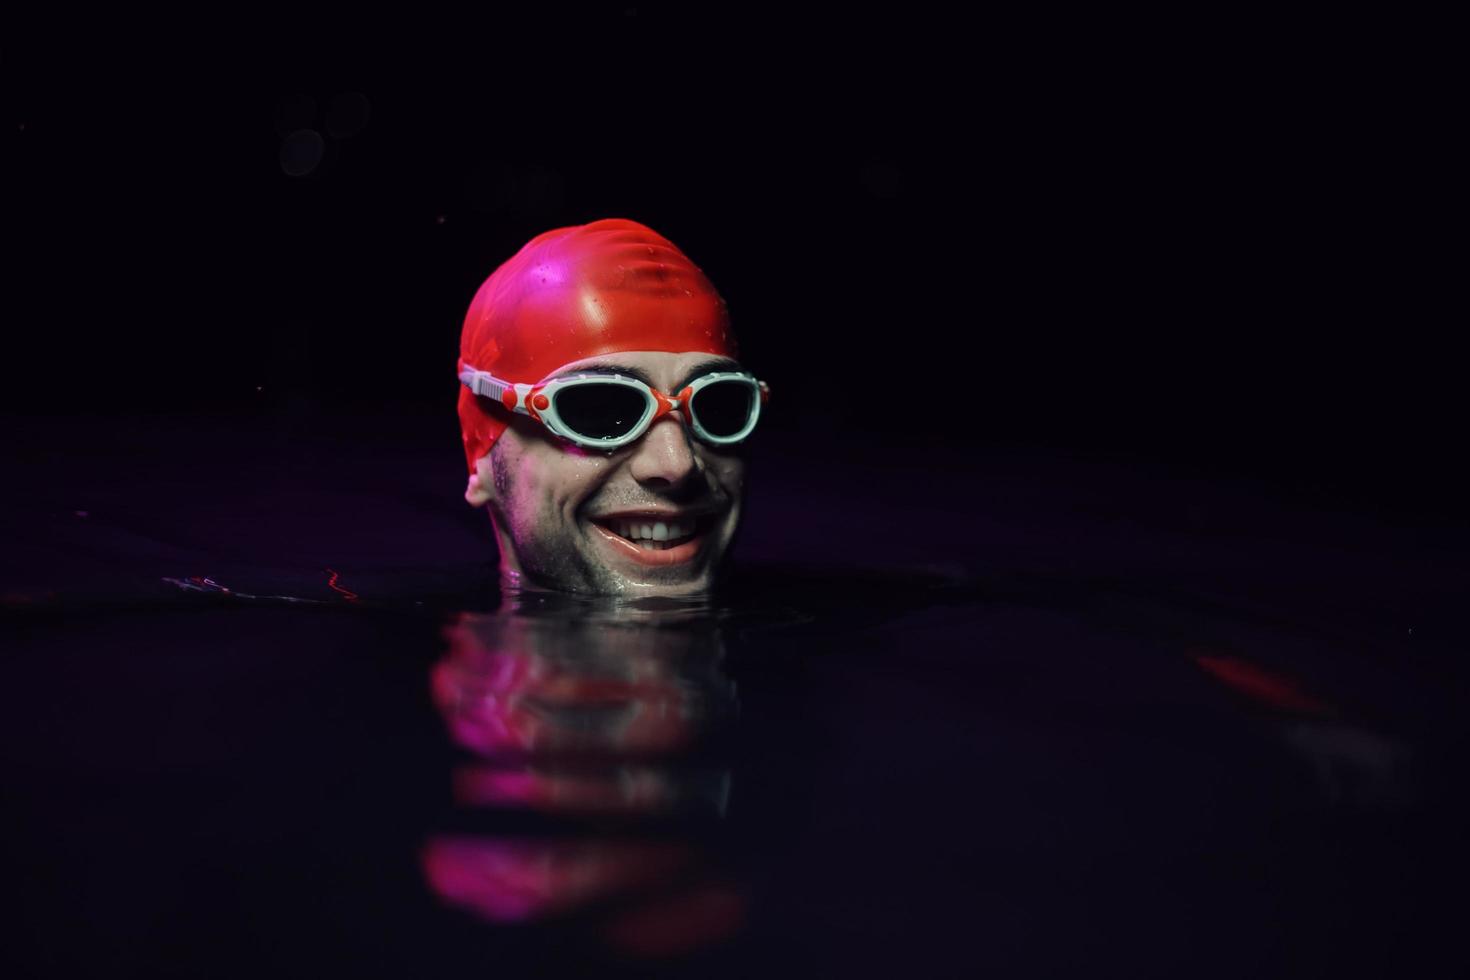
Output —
(517, 880)
(514, 687)
(586, 723)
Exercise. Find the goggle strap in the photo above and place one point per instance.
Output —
(482, 384)
(489, 386)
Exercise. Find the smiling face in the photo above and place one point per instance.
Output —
(577, 520)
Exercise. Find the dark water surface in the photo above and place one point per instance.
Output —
(265, 714)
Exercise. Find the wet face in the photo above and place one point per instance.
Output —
(654, 517)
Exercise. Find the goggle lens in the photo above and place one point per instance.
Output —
(724, 407)
(600, 411)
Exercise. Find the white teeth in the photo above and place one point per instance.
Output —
(656, 531)
(646, 545)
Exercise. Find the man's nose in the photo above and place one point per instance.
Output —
(665, 455)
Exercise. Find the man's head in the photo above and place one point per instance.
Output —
(603, 405)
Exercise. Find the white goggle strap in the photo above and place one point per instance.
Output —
(490, 386)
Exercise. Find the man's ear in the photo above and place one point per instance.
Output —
(477, 493)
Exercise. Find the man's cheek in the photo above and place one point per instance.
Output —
(543, 525)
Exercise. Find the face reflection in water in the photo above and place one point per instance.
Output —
(555, 506)
(586, 719)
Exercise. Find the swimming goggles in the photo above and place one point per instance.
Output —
(606, 411)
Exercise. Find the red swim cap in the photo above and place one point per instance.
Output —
(601, 288)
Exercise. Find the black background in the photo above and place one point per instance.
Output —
(969, 256)
(1222, 245)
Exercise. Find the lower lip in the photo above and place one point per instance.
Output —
(676, 555)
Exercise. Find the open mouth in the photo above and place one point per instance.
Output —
(656, 541)
(656, 535)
